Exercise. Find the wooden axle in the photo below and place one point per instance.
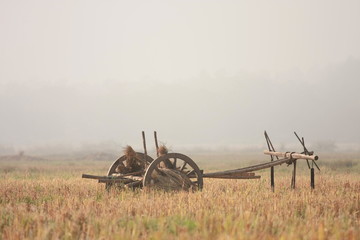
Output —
(291, 155)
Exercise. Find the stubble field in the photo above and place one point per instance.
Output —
(49, 200)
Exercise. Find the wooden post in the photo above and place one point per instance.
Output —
(312, 178)
(272, 179)
(156, 144)
(271, 148)
(144, 144)
(293, 180)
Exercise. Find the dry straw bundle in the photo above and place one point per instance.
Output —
(132, 162)
(171, 180)
(162, 150)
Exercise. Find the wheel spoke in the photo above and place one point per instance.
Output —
(189, 173)
(158, 170)
(174, 164)
(183, 166)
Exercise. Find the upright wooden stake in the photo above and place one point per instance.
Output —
(293, 180)
(271, 148)
(144, 144)
(312, 178)
(272, 179)
(156, 144)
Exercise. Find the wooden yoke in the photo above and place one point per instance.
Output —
(291, 155)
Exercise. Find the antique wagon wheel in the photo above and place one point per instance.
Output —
(173, 168)
(123, 158)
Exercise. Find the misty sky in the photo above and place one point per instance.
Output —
(198, 72)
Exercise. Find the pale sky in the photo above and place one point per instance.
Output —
(212, 72)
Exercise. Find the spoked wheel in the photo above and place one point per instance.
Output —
(122, 159)
(173, 171)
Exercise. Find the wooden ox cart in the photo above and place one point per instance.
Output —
(176, 171)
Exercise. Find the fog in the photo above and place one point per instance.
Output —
(201, 73)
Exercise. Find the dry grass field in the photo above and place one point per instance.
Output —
(49, 200)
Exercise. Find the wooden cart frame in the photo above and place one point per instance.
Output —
(184, 165)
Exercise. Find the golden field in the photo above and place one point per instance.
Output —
(48, 199)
